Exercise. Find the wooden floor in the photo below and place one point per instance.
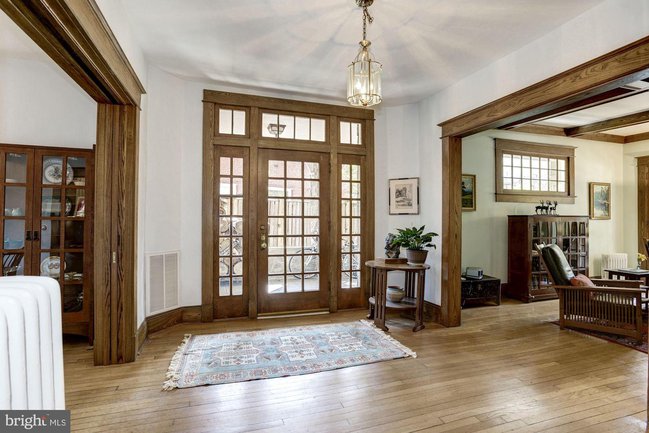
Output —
(506, 369)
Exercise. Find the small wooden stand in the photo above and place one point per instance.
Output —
(414, 287)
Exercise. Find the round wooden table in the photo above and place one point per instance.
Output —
(415, 277)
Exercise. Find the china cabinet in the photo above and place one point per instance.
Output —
(527, 277)
(46, 223)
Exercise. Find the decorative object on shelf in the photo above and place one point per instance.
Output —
(80, 207)
(547, 208)
(51, 266)
(276, 129)
(468, 192)
(600, 201)
(404, 196)
(415, 241)
(53, 172)
(391, 251)
(641, 258)
(364, 73)
(395, 294)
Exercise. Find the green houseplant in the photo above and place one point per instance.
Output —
(415, 240)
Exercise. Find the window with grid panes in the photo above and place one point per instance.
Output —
(529, 172)
(231, 226)
(350, 229)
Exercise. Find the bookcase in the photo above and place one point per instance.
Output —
(527, 278)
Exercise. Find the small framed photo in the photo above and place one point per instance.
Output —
(80, 207)
(404, 196)
(468, 192)
(600, 201)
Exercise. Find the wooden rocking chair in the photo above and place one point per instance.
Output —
(612, 306)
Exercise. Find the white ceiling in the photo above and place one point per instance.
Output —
(599, 113)
(304, 46)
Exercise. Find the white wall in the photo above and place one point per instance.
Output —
(631, 152)
(40, 105)
(618, 22)
(484, 232)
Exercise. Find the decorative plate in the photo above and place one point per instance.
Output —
(53, 173)
(51, 266)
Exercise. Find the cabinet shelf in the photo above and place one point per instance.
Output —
(405, 304)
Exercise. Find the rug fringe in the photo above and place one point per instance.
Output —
(173, 372)
(388, 337)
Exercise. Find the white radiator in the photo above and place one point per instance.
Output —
(31, 346)
(613, 261)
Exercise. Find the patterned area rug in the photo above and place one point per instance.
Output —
(242, 356)
(619, 339)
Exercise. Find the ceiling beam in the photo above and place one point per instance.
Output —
(559, 132)
(636, 137)
(605, 125)
(603, 74)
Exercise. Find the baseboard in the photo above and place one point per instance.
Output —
(141, 335)
(173, 317)
(432, 312)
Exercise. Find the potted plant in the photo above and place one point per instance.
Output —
(414, 240)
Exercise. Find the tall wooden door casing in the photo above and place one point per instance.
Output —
(304, 246)
(643, 202)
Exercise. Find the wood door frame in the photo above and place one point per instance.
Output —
(76, 36)
(564, 92)
(642, 188)
(252, 139)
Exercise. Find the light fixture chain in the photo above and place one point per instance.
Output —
(366, 17)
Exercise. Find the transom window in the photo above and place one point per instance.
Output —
(529, 172)
(232, 122)
(286, 126)
(350, 133)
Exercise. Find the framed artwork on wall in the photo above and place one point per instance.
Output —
(468, 192)
(404, 196)
(600, 201)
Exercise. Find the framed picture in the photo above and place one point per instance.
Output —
(80, 207)
(468, 192)
(600, 201)
(404, 196)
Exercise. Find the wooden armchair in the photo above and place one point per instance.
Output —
(612, 306)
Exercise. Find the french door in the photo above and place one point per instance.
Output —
(293, 233)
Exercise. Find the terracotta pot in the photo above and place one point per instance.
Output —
(416, 257)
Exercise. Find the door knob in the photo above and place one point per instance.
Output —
(263, 245)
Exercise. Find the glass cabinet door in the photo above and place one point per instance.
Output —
(63, 230)
(15, 196)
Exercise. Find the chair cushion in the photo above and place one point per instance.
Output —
(581, 280)
(557, 265)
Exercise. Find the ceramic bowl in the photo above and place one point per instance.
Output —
(395, 293)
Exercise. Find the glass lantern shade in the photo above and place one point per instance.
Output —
(364, 79)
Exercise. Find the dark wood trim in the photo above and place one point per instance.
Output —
(142, 333)
(76, 36)
(173, 317)
(637, 137)
(605, 125)
(570, 88)
(452, 231)
(432, 312)
(207, 288)
(560, 132)
(287, 105)
(115, 233)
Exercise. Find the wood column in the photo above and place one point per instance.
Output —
(115, 233)
(452, 231)
(643, 202)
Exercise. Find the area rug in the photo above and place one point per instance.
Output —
(250, 355)
(619, 339)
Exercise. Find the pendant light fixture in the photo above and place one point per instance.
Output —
(364, 73)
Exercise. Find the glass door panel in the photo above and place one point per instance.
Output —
(15, 191)
(293, 198)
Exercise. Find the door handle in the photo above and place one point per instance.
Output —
(36, 235)
(28, 235)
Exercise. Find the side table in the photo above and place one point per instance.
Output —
(415, 276)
